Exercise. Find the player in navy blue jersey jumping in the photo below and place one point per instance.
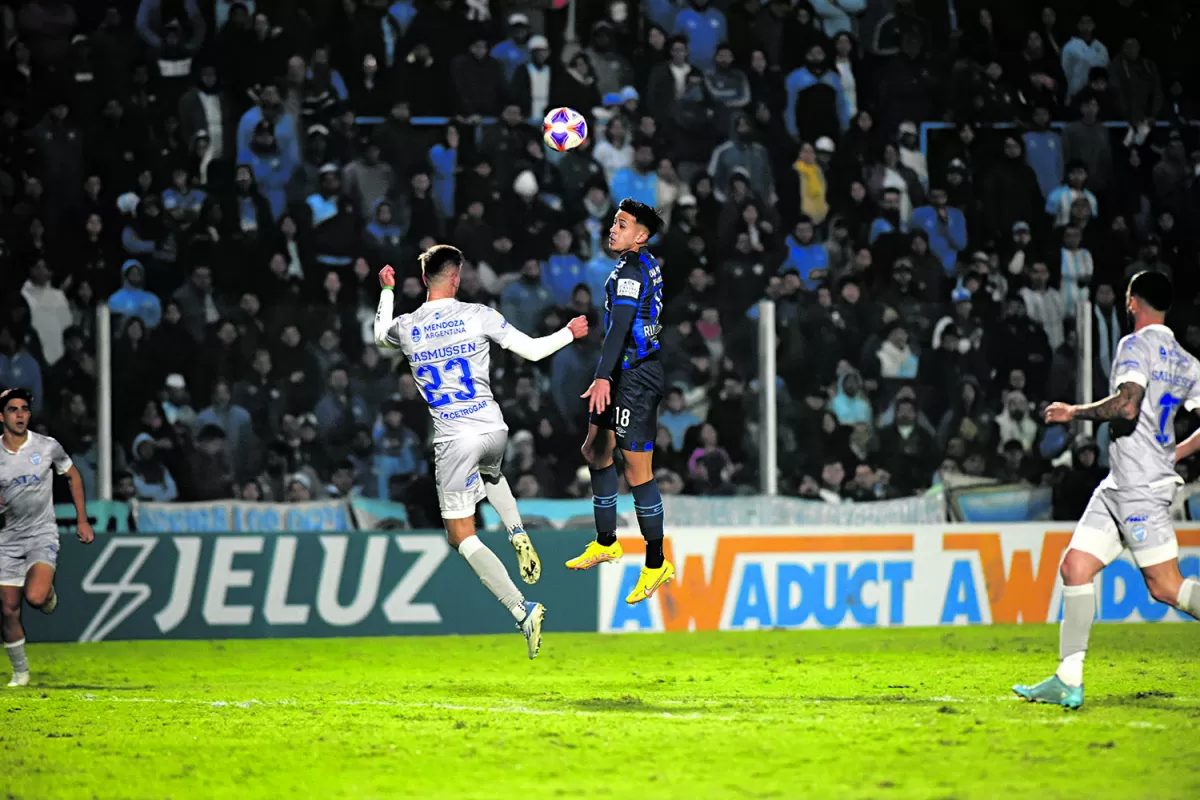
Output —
(623, 399)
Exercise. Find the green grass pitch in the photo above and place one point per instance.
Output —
(874, 713)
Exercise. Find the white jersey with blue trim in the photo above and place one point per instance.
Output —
(1142, 453)
(447, 344)
(27, 486)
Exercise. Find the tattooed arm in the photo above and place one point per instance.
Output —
(1123, 404)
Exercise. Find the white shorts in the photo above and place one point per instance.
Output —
(1138, 518)
(18, 556)
(457, 466)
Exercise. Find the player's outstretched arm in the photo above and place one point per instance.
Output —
(383, 314)
(532, 349)
(83, 527)
(1122, 404)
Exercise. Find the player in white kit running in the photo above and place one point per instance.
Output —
(447, 344)
(1152, 376)
(28, 528)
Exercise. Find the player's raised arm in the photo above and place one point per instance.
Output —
(383, 314)
(496, 328)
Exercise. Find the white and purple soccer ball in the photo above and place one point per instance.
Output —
(564, 129)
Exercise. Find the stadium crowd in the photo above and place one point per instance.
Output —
(229, 177)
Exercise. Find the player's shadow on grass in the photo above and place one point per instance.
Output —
(633, 705)
(1158, 701)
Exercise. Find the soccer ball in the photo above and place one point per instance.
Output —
(564, 129)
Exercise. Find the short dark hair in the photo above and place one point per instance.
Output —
(16, 393)
(439, 260)
(676, 39)
(643, 214)
(1153, 289)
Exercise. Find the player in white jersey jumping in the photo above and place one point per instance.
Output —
(1152, 376)
(28, 529)
(447, 344)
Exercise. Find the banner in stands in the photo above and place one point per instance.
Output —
(839, 578)
(236, 515)
(240, 585)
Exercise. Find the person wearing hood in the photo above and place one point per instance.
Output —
(131, 300)
(1011, 193)
(151, 478)
(1016, 423)
(369, 180)
(741, 152)
(850, 405)
(816, 104)
(1076, 485)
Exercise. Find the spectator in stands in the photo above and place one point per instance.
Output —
(1137, 84)
(1081, 54)
(1075, 485)
(270, 109)
(49, 313)
(705, 29)
(1058, 202)
(1044, 150)
(235, 424)
(18, 367)
(151, 479)
(479, 80)
(209, 466)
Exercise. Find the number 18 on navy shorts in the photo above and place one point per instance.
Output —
(633, 413)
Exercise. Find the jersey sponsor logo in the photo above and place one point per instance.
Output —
(437, 354)
(464, 412)
(20, 480)
(627, 287)
(474, 479)
(1174, 380)
(35, 459)
(415, 334)
(436, 330)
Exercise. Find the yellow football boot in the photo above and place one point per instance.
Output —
(649, 581)
(596, 553)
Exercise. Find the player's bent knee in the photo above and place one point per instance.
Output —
(37, 596)
(10, 609)
(1079, 568)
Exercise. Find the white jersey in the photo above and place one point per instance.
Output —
(27, 486)
(1142, 453)
(447, 344)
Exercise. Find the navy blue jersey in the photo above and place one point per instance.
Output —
(636, 281)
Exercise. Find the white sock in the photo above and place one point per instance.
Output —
(1188, 600)
(493, 575)
(1079, 611)
(1070, 670)
(500, 495)
(16, 654)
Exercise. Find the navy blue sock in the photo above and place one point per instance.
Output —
(604, 504)
(647, 504)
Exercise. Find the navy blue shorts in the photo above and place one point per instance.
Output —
(633, 413)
